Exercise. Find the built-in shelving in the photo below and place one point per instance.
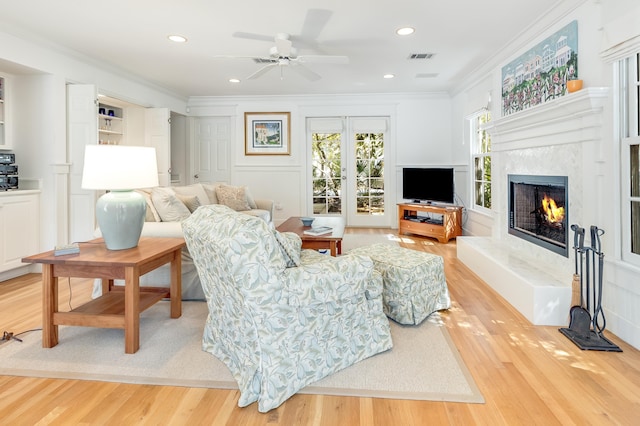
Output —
(3, 139)
(110, 125)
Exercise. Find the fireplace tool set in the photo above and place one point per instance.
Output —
(586, 318)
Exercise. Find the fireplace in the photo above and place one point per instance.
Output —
(538, 210)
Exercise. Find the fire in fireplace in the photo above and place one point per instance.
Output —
(538, 210)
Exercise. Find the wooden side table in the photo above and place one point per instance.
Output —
(331, 241)
(118, 307)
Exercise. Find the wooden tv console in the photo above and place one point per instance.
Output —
(409, 221)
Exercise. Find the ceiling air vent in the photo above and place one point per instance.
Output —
(263, 60)
(421, 55)
(427, 75)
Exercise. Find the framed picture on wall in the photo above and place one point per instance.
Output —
(267, 133)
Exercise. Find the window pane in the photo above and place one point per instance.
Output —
(635, 170)
(478, 191)
(478, 168)
(487, 195)
(319, 187)
(635, 227)
(334, 205)
(487, 169)
(319, 206)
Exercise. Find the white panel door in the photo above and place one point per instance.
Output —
(158, 131)
(210, 149)
(82, 125)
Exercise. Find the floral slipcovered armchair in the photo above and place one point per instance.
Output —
(280, 317)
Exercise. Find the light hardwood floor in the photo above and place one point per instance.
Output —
(527, 374)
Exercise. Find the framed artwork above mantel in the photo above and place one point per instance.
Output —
(267, 133)
(541, 73)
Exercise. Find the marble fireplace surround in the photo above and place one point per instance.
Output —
(536, 281)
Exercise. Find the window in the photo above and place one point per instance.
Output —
(481, 159)
(629, 130)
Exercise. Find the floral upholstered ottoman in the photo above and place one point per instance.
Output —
(414, 282)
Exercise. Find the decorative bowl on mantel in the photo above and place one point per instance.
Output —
(574, 85)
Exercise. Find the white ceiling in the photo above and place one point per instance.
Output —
(132, 34)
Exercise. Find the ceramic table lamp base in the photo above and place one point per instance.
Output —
(120, 216)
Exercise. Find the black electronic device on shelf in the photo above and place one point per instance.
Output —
(428, 185)
(8, 171)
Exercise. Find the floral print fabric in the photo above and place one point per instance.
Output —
(414, 282)
(279, 329)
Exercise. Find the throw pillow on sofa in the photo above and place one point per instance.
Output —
(169, 207)
(210, 190)
(190, 201)
(196, 190)
(151, 214)
(234, 197)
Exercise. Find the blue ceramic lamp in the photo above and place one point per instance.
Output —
(120, 169)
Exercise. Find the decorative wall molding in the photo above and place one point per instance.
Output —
(574, 118)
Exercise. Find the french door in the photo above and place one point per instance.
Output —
(347, 164)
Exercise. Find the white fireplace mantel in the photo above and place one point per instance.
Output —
(573, 118)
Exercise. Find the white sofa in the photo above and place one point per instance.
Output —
(168, 206)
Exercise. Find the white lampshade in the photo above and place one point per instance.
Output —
(120, 169)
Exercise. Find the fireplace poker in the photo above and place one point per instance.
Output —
(576, 282)
(598, 313)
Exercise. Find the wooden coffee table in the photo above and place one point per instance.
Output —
(332, 241)
(119, 306)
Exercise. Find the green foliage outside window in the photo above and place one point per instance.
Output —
(327, 173)
(482, 161)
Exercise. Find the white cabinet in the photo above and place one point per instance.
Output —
(19, 227)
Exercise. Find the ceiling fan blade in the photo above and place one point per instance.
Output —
(284, 47)
(261, 71)
(314, 23)
(252, 36)
(255, 58)
(323, 59)
(305, 72)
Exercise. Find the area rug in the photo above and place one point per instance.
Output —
(423, 364)
(355, 240)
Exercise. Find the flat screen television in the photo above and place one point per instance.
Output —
(428, 185)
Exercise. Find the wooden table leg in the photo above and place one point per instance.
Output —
(176, 285)
(131, 310)
(333, 248)
(49, 307)
(107, 285)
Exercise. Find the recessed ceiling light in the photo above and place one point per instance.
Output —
(234, 80)
(177, 38)
(388, 76)
(405, 31)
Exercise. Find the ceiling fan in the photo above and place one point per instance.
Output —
(283, 54)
